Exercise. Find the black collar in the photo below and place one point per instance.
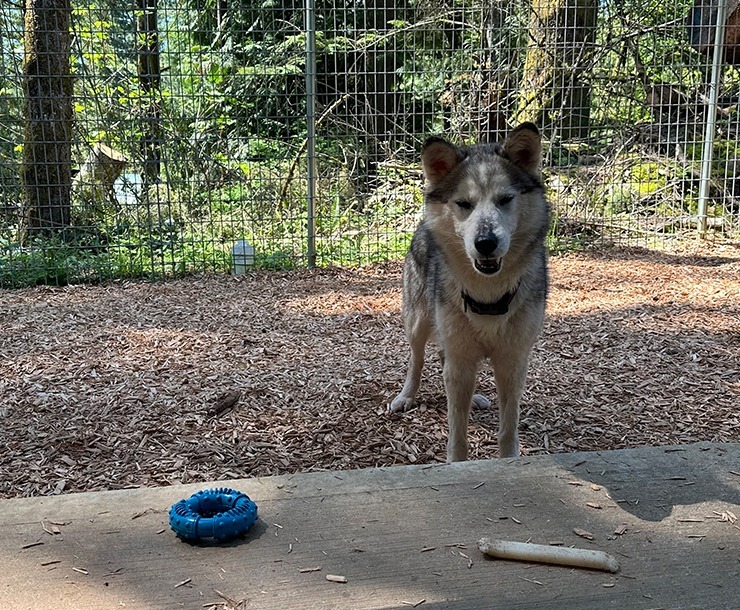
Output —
(498, 308)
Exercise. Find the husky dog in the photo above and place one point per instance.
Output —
(476, 276)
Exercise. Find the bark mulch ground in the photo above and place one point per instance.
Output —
(218, 377)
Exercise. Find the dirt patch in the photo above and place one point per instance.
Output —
(133, 384)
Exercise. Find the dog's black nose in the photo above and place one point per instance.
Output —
(486, 245)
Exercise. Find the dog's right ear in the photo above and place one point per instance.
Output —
(438, 158)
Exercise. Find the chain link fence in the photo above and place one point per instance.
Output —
(154, 139)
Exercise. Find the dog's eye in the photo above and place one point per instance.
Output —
(464, 205)
(505, 199)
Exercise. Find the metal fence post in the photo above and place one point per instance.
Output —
(709, 127)
(311, 130)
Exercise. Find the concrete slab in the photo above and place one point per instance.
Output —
(402, 537)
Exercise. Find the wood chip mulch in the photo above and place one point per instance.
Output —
(219, 377)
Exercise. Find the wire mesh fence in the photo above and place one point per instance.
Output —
(153, 139)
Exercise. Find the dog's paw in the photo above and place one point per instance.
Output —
(509, 448)
(511, 453)
(481, 402)
(400, 403)
(457, 453)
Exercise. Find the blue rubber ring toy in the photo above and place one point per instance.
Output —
(219, 513)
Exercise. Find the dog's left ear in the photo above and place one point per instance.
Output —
(524, 147)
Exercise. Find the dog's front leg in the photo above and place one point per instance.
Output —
(418, 333)
(510, 373)
(459, 377)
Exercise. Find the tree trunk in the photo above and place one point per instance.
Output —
(150, 76)
(561, 38)
(496, 79)
(368, 77)
(381, 75)
(377, 81)
(46, 172)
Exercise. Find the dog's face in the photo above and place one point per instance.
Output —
(475, 194)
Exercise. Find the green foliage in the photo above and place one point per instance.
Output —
(638, 45)
(106, 93)
(51, 262)
(231, 106)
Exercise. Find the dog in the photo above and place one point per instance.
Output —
(476, 276)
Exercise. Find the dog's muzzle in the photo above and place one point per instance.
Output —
(485, 261)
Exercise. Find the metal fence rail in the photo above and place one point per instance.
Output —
(151, 140)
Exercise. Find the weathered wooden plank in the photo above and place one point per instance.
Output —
(400, 536)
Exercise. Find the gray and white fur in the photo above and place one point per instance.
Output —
(475, 277)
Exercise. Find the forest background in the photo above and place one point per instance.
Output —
(151, 139)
